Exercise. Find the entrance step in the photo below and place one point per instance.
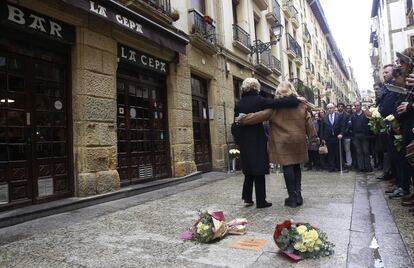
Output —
(24, 214)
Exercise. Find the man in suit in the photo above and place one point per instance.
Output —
(331, 133)
(360, 133)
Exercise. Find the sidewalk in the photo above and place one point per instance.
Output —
(142, 231)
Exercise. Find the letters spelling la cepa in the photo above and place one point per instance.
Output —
(131, 55)
(34, 22)
(100, 10)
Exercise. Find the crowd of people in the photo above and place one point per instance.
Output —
(343, 131)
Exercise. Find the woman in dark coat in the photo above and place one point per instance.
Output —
(253, 141)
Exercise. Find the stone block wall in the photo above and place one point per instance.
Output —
(94, 63)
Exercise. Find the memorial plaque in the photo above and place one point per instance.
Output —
(4, 193)
(45, 187)
(249, 243)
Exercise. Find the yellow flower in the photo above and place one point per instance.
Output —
(318, 242)
(317, 248)
(301, 229)
(300, 246)
(310, 236)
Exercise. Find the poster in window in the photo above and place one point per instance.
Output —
(204, 113)
(4, 193)
(45, 187)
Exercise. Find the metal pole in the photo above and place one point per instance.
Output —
(340, 155)
(225, 134)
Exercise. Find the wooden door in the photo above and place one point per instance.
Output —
(143, 148)
(33, 130)
(201, 124)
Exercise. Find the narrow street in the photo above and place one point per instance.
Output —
(143, 230)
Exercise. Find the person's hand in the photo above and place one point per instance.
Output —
(402, 108)
(240, 117)
(340, 136)
(409, 80)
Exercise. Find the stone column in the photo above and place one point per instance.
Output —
(94, 64)
(180, 118)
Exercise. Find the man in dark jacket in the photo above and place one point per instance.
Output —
(331, 133)
(253, 141)
(360, 134)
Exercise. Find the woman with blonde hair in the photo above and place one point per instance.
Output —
(252, 141)
(287, 139)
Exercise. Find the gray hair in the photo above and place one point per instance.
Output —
(250, 84)
(330, 105)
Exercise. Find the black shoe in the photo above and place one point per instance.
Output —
(248, 203)
(292, 200)
(264, 205)
(299, 199)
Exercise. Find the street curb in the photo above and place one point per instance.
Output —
(9, 218)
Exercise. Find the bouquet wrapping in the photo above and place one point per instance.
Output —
(211, 226)
(302, 241)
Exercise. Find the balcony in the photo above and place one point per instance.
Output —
(303, 90)
(203, 32)
(157, 10)
(276, 66)
(241, 39)
(308, 65)
(164, 6)
(262, 61)
(293, 49)
(261, 4)
(306, 34)
(291, 12)
(274, 15)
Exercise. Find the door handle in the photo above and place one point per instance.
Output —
(28, 119)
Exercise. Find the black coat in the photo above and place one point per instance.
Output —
(330, 132)
(253, 141)
(359, 125)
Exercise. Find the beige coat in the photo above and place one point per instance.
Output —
(287, 136)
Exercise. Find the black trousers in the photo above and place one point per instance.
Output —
(333, 154)
(403, 170)
(259, 186)
(361, 144)
(293, 177)
(313, 159)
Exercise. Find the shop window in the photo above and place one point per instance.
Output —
(237, 88)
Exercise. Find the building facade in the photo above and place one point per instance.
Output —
(97, 95)
(392, 30)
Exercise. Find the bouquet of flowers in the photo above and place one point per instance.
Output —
(211, 226)
(302, 241)
(376, 122)
(234, 153)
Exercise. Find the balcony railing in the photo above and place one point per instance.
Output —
(264, 58)
(303, 90)
(202, 27)
(163, 6)
(306, 33)
(276, 10)
(294, 46)
(241, 35)
(276, 64)
(292, 10)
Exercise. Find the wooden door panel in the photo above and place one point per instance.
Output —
(144, 134)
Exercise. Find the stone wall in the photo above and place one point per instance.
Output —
(94, 63)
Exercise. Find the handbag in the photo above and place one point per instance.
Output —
(323, 149)
(410, 153)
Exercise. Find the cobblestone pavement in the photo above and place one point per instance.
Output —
(142, 231)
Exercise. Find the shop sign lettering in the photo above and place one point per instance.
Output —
(34, 22)
(132, 56)
(119, 19)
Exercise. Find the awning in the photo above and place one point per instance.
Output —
(134, 22)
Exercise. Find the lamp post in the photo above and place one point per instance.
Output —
(277, 30)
